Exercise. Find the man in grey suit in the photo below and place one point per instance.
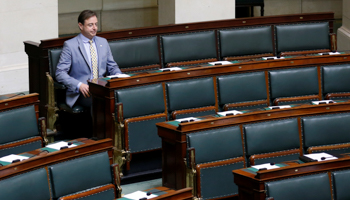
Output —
(84, 57)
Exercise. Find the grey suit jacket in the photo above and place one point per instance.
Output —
(73, 66)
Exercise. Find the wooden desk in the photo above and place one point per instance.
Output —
(252, 185)
(41, 158)
(182, 194)
(173, 134)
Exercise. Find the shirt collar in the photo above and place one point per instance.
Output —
(85, 39)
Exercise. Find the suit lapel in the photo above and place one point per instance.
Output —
(83, 51)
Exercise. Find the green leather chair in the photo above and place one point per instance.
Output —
(306, 38)
(191, 98)
(273, 141)
(302, 188)
(326, 133)
(85, 178)
(341, 182)
(140, 54)
(138, 109)
(29, 185)
(19, 131)
(336, 82)
(211, 157)
(188, 48)
(290, 86)
(242, 91)
(244, 43)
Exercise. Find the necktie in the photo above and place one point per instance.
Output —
(93, 61)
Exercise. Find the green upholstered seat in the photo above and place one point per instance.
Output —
(322, 132)
(302, 188)
(138, 54)
(189, 95)
(194, 46)
(30, 185)
(335, 81)
(246, 42)
(272, 141)
(222, 149)
(302, 37)
(288, 86)
(18, 126)
(248, 89)
(341, 182)
(81, 174)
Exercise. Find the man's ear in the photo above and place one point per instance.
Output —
(80, 26)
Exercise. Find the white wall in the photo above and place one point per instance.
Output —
(22, 20)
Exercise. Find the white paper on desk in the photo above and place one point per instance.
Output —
(58, 145)
(319, 156)
(12, 157)
(119, 76)
(220, 63)
(234, 112)
(280, 107)
(272, 57)
(267, 166)
(330, 53)
(323, 101)
(138, 195)
(187, 119)
(171, 69)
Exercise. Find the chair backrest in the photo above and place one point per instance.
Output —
(18, 124)
(302, 37)
(54, 57)
(135, 53)
(30, 185)
(336, 78)
(341, 182)
(302, 188)
(141, 101)
(271, 137)
(293, 82)
(80, 174)
(192, 93)
(241, 88)
(246, 41)
(326, 130)
(188, 46)
(216, 144)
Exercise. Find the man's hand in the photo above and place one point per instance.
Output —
(84, 89)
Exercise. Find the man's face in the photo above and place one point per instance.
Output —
(89, 28)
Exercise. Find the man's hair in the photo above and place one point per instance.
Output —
(85, 14)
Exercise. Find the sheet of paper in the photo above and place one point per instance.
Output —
(272, 57)
(322, 102)
(12, 157)
(119, 76)
(171, 69)
(330, 53)
(220, 63)
(280, 107)
(321, 156)
(138, 195)
(187, 119)
(267, 166)
(58, 145)
(234, 112)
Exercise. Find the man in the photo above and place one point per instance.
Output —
(84, 57)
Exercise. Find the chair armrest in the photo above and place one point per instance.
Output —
(247, 57)
(336, 95)
(178, 112)
(43, 130)
(275, 154)
(333, 39)
(89, 192)
(302, 98)
(327, 148)
(294, 53)
(119, 111)
(116, 177)
(253, 103)
(174, 64)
